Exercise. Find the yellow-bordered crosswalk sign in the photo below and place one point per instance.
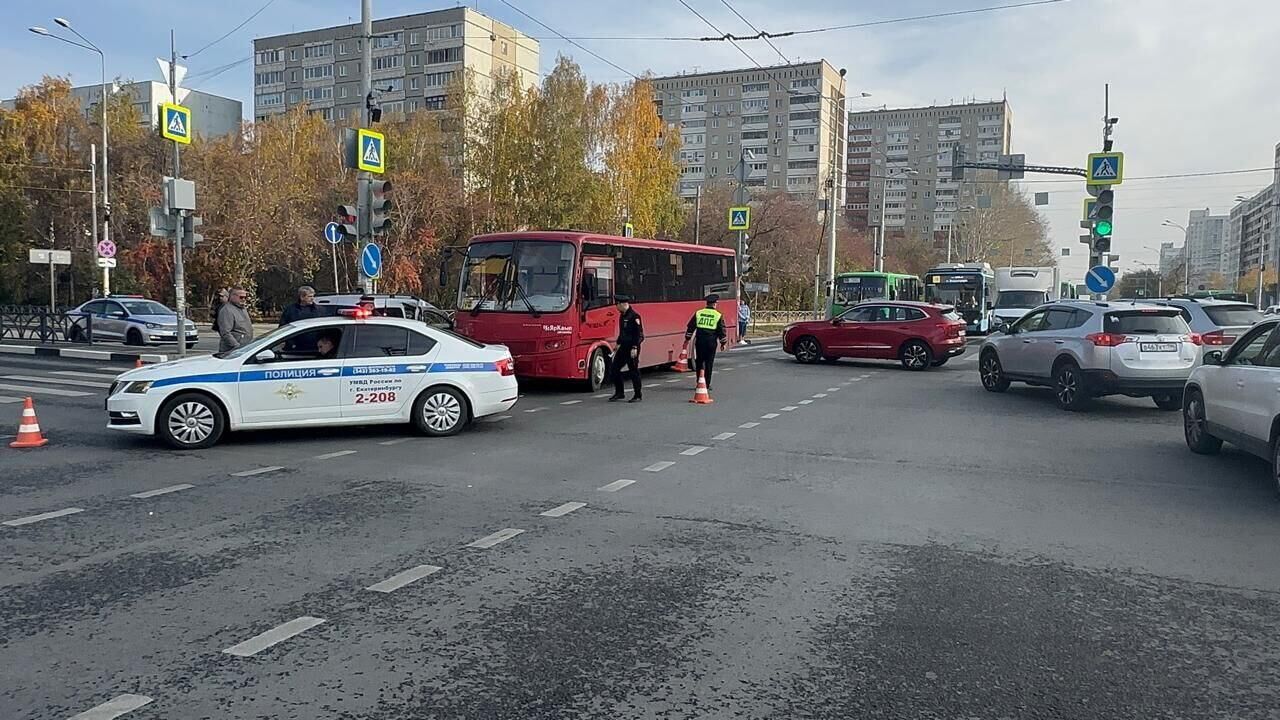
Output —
(740, 218)
(175, 123)
(1106, 168)
(371, 149)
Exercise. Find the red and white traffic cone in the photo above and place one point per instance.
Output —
(682, 363)
(700, 394)
(29, 435)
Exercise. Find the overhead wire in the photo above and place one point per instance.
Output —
(232, 31)
(734, 10)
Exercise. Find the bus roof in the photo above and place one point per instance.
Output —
(873, 273)
(578, 237)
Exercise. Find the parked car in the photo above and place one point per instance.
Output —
(1218, 322)
(131, 319)
(1085, 350)
(919, 335)
(400, 306)
(1234, 396)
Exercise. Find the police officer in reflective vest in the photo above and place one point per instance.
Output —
(708, 325)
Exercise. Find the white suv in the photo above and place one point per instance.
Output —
(1085, 349)
(1235, 396)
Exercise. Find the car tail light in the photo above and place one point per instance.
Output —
(506, 366)
(1195, 339)
(1217, 338)
(1104, 339)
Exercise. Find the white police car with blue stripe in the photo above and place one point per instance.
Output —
(351, 370)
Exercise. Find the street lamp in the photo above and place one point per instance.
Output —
(106, 198)
(1186, 255)
(951, 225)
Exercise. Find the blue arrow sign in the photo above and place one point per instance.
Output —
(371, 260)
(1100, 279)
(333, 233)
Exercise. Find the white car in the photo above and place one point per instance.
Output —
(349, 370)
(1234, 396)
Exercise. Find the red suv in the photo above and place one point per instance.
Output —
(919, 335)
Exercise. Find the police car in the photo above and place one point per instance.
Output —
(347, 370)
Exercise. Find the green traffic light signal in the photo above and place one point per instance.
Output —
(1102, 228)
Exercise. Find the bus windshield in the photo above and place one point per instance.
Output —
(525, 276)
(853, 290)
(965, 292)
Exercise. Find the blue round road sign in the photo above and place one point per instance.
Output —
(333, 233)
(371, 260)
(1100, 279)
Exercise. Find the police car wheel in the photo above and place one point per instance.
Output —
(133, 337)
(441, 411)
(190, 421)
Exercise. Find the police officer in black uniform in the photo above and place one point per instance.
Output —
(630, 336)
(708, 325)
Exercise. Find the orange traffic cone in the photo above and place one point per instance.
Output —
(682, 363)
(29, 435)
(700, 394)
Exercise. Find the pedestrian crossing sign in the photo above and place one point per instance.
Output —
(373, 151)
(1106, 168)
(740, 218)
(175, 123)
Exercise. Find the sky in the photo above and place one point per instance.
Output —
(1194, 83)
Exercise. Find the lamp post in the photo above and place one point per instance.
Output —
(106, 198)
(1186, 255)
(951, 225)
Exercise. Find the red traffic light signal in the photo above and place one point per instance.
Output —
(347, 221)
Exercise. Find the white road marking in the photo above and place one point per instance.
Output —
(99, 375)
(601, 395)
(331, 455)
(758, 362)
(806, 402)
(616, 485)
(788, 408)
(724, 436)
(768, 416)
(399, 580)
(6, 399)
(258, 471)
(277, 634)
(113, 708)
(42, 516)
(834, 389)
(162, 491)
(729, 369)
(489, 541)
(56, 381)
(397, 441)
(534, 410)
(652, 384)
(674, 380)
(749, 425)
(497, 418)
(694, 450)
(570, 402)
(769, 350)
(36, 390)
(562, 510)
(659, 466)
(819, 396)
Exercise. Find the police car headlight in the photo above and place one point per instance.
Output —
(154, 326)
(138, 387)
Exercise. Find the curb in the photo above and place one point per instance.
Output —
(82, 354)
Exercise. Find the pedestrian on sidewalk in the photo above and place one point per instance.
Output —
(630, 337)
(303, 309)
(218, 301)
(744, 319)
(708, 325)
(235, 328)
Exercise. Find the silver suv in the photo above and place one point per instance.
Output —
(1086, 349)
(1218, 322)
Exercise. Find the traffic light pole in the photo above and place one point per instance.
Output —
(179, 276)
(741, 200)
(363, 177)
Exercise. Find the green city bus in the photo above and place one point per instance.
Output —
(854, 287)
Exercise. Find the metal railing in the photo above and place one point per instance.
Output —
(768, 322)
(30, 322)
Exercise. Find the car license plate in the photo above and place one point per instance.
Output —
(1158, 347)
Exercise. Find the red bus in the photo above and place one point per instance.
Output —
(549, 297)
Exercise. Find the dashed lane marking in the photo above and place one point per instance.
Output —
(501, 536)
(56, 392)
(616, 485)
(562, 510)
(42, 516)
(749, 425)
(600, 396)
(724, 436)
(788, 408)
(570, 402)
(659, 466)
(695, 450)
(729, 369)
(257, 471)
(758, 362)
(674, 380)
(652, 384)
(57, 381)
(806, 402)
(277, 634)
(819, 396)
(332, 455)
(397, 441)
(162, 491)
(534, 410)
(113, 708)
(768, 416)
(399, 580)
(834, 389)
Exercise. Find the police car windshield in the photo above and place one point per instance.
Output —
(256, 345)
(525, 276)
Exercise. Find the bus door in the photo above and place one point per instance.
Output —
(599, 317)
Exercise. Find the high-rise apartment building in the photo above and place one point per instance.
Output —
(212, 115)
(1205, 236)
(899, 163)
(1251, 232)
(415, 57)
(785, 121)
(1170, 258)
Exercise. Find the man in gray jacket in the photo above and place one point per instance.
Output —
(234, 326)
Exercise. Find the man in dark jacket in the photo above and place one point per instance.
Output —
(708, 325)
(303, 309)
(630, 336)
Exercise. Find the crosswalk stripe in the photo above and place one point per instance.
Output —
(100, 375)
(6, 399)
(56, 381)
(57, 392)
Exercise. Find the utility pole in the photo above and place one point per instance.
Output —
(833, 180)
(697, 215)
(179, 277)
(741, 192)
(363, 177)
(93, 190)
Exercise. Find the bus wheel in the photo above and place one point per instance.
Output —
(597, 370)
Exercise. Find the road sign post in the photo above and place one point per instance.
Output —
(50, 258)
(333, 234)
(1105, 168)
(1100, 279)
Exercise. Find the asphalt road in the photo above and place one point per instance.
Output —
(829, 541)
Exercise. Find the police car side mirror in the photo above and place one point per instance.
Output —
(265, 356)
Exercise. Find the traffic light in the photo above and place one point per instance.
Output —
(347, 220)
(191, 238)
(744, 255)
(1103, 225)
(379, 207)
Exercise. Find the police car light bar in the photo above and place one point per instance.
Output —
(356, 312)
